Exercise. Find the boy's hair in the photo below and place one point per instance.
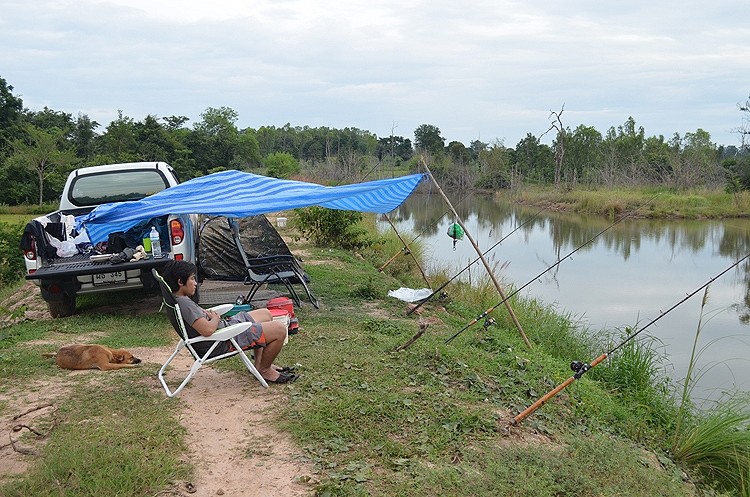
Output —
(175, 272)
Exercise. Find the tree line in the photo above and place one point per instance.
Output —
(39, 148)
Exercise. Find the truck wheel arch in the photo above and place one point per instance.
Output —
(62, 308)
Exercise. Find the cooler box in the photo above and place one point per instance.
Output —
(284, 304)
(283, 316)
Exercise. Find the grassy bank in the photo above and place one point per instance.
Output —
(639, 202)
(432, 419)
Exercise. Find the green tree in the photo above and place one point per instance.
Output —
(477, 147)
(42, 152)
(49, 119)
(583, 153)
(427, 139)
(281, 165)
(395, 147)
(458, 152)
(699, 164)
(11, 118)
(623, 153)
(119, 143)
(535, 161)
(84, 136)
(154, 142)
(495, 168)
(183, 161)
(215, 140)
(249, 149)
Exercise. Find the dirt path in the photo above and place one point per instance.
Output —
(236, 452)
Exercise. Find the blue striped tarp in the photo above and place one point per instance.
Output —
(239, 194)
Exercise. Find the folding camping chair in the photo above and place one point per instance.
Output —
(186, 342)
(280, 268)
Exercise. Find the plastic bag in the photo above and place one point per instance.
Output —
(409, 294)
(65, 248)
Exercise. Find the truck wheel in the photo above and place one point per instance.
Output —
(63, 308)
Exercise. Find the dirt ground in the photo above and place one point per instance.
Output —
(236, 453)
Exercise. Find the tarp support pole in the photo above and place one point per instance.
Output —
(481, 256)
(406, 248)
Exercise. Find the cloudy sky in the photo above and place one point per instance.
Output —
(488, 70)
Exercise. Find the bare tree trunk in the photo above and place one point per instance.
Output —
(40, 171)
(557, 125)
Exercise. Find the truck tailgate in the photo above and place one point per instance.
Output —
(81, 265)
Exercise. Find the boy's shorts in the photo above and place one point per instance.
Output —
(253, 336)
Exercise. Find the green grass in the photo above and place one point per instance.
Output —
(643, 202)
(715, 442)
(716, 445)
(113, 438)
(15, 218)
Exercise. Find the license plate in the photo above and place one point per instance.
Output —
(109, 278)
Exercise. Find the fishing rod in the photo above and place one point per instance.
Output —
(409, 251)
(405, 250)
(485, 313)
(581, 368)
(426, 299)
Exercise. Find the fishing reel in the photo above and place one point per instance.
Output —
(579, 368)
(443, 296)
(488, 322)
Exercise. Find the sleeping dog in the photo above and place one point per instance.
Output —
(94, 356)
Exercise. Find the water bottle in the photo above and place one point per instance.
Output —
(155, 243)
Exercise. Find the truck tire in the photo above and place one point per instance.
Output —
(63, 308)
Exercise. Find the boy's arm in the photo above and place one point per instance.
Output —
(204, 321)
(207, 324)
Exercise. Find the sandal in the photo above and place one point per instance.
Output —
(286, 369)
(283, 378)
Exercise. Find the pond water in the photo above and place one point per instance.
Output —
(625, 277)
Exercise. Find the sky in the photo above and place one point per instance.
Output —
(478, 70)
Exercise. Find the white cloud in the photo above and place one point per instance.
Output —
(484, 69)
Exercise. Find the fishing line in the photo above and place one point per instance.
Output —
(405, 250)
(485, 313)
(426, 299)
(581, 368)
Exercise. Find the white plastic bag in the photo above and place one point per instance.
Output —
(409, 294)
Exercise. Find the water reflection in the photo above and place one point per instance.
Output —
(624, 276)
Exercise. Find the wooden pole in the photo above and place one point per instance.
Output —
(481, 256)
(406, 247)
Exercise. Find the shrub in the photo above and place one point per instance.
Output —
(281, 165)
(11, 263)
(331, 228)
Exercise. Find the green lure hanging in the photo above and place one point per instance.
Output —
(456, 232)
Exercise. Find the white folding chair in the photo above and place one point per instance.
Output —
(187, 341)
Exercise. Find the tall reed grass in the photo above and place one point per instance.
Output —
(715, 443)
(645, 202)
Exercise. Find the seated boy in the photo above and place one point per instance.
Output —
(265, 335)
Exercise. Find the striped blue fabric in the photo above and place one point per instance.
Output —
(239, 194)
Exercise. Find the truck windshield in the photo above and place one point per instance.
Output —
(115, 186)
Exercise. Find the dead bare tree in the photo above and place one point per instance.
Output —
(744, 129)
(557, 125)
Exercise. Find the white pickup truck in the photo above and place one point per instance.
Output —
(61, 279)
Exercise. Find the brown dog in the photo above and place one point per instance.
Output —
(94, 356)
